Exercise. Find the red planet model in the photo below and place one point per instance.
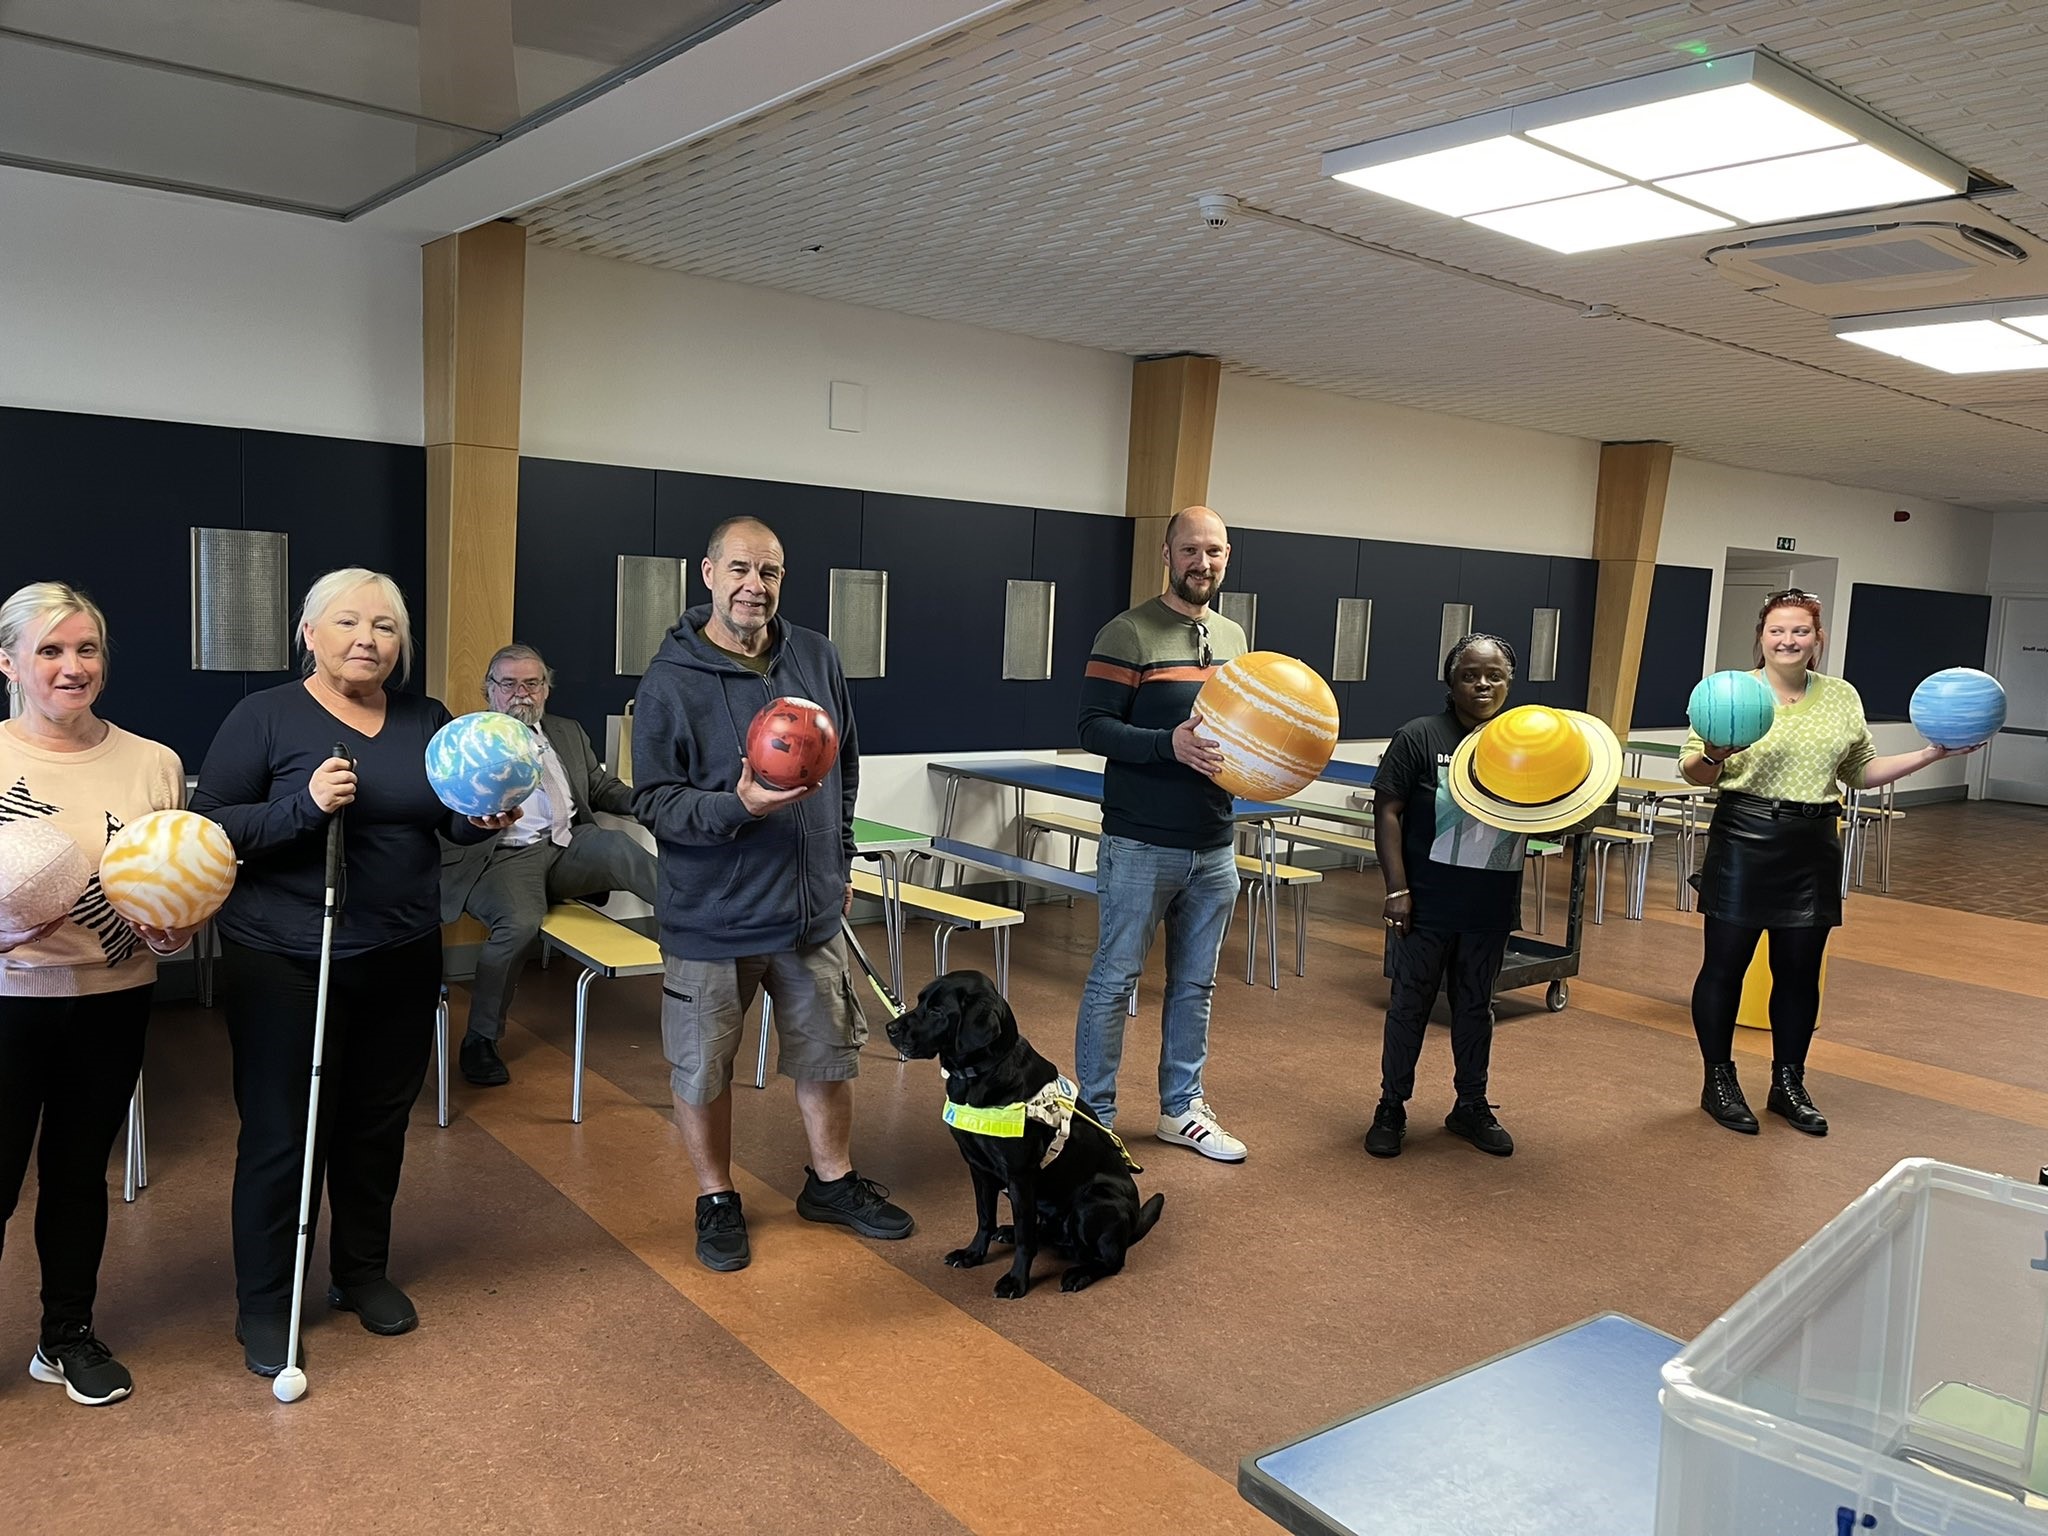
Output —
(792, 742)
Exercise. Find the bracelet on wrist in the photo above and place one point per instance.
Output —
(1391, 895)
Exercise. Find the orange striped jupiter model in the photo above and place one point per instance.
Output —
(1274, 718)
(169, 869)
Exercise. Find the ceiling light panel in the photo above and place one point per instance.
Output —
(1498, 172)
(1805, 186)
(1700, 132)
(1745, 138)
(1601, 220)
(1955, 346)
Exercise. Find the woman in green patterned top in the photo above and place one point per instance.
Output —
(1774, 857)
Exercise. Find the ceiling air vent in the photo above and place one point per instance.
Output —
(1867, 268)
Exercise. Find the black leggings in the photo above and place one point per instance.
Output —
(68, 1064)
(1795, 989)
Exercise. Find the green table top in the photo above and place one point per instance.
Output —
(1654, 748)
(880, 837)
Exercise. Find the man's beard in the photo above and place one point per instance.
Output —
(525, 712)
(1182, 590)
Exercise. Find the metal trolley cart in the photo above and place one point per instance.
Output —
(1533, 962)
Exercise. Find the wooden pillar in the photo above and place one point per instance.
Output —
(473, 308)
(1173, 428)
(1628, 517)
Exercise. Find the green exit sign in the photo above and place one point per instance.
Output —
(1788, 544)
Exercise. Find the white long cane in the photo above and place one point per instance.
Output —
(290, 1383)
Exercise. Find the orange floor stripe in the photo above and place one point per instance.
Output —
(938, 1395)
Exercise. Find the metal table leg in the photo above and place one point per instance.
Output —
(761, 1056)
(582, 1030)
(1301, 930)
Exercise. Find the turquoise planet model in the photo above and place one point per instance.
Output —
(1731, 709)
(483, 764)
(1958, 707)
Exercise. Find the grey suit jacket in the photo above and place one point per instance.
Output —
(590, 787)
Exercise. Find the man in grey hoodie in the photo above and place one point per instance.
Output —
(753, 883)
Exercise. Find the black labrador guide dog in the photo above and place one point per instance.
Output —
(1009, 1108)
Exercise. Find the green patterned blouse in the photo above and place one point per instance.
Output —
(1810, 745)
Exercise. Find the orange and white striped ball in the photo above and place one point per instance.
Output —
(42, 875)
(169, 869)
(1274, 718)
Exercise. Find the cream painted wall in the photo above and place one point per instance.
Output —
(631, 365)
(1306, 460)
(122, 302)
(2019, 553)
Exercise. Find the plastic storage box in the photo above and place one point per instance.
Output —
(1888, 1377)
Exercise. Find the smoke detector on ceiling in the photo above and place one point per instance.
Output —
(1865, 268)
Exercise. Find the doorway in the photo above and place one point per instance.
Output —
(1748, 577)
(2016, 763)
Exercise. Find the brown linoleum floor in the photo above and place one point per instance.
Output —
(577, 1371)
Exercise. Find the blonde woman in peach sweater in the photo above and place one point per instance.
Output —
(74, 993)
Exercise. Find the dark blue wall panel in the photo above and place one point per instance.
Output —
(819, 526)
(1674, 643)
(1898, 635)
(575, 520)
(947, 563)
(1574, 585)
(344, 503)
(1505, 590)
(107, 504)
(1409, 585)
(1088, 558)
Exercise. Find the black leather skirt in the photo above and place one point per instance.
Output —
(1773, 864)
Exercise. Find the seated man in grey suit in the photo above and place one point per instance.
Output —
(554, 852)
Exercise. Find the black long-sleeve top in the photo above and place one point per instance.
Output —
(254, 783)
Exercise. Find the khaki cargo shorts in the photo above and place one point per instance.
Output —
(819, 1028)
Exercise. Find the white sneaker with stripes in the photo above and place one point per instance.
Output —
(1196, 1127)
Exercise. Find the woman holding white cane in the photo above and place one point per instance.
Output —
(274, 780)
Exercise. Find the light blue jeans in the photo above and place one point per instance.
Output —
(1138, 885)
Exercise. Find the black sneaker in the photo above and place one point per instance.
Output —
(266, 1338)
(1389, 1128)
(854, 1202)
(722, 1232)
(1473, 1120)
(380, 1306)
(84, 1367)
(481, 1063)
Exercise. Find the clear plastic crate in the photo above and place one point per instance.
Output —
(1888, 1377)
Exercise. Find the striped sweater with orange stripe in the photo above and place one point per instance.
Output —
(1143, 674)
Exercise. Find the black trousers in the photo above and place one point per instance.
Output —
(380, 1025)
(1795, 989)
(1417, 966)
(68, 1064)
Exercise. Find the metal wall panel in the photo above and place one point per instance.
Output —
(650, 600)
(1354, 639)
(1027, 631)
(858, 621)
(241, 580)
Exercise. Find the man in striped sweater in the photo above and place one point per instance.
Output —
(1167, 834)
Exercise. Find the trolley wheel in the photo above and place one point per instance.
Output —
(1558, 995)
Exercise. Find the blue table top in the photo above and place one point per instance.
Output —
(1074, 783)
(1356, 775)
(1557, 1438)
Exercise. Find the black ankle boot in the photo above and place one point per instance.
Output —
(1722, 1098)
(1788, 1098)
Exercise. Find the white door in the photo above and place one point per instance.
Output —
(2017, 765)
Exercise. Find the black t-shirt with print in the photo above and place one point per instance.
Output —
(1463, 876)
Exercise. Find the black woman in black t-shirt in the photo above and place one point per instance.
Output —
(1454, 894)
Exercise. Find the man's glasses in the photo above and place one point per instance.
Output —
(1205, 657)
(519, 684)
